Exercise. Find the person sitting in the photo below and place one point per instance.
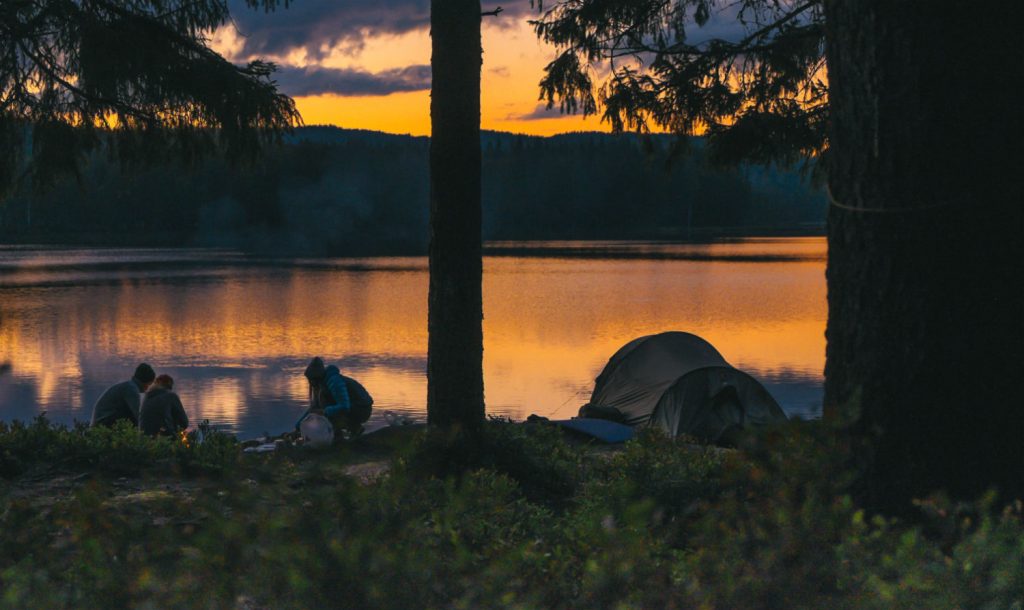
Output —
(121, 401)
(162, 413)
(341, 399)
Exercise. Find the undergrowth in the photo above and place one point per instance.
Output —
(518, 517)
(120, 449)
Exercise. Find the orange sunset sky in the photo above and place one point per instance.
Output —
(355, 65)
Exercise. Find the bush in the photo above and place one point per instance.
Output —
(118, 450)
(546, 467)
(659, 524)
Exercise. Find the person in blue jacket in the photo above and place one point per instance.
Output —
(342, 400)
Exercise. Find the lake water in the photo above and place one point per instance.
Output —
(236, 332)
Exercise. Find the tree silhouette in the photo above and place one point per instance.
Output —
(137, 77)
(758, 88)
(455, 392)
(926, 309)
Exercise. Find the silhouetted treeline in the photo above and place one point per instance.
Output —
(334, 191)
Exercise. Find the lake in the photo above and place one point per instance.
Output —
(236, 332)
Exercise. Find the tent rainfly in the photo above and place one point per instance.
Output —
(678, 382)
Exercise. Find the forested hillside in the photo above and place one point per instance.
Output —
(335, 191)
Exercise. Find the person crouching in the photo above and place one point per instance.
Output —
(341, 399)
(162, 413)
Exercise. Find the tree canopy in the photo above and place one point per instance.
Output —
(749, 73)
(138, 71)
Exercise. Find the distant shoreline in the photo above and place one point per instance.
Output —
(524, 246)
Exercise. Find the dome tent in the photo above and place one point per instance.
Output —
(680, 383)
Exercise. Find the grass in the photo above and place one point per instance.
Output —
(519, 517)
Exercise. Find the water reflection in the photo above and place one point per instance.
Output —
(236, 332)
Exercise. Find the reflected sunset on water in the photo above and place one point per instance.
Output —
(236, 332)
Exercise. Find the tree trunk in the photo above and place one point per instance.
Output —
(926, 306)
(455, 387)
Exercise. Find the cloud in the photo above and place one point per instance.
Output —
(501, 71)
(540, 113)
(316, 26)
(724, 25)
(350, 82)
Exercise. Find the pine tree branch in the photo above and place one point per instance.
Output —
(116, 104)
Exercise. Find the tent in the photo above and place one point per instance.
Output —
(680, 383)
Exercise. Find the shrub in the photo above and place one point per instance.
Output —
(120, 449)
(536, 456)
(660, 524)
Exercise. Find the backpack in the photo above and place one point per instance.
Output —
(358, 397)
(359, 400)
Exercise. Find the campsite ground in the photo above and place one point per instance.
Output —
(522, 517)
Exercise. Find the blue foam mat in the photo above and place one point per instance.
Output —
(601, 429)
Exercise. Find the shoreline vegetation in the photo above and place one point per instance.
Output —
(520, 517)
(496, 247)
(336, 192)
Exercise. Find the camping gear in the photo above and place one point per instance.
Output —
(316, 431)
(678, 382)
(600, 429)
(594, 429)
(397, 419)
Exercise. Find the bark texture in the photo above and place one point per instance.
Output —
(926, 303)
(455, 393)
